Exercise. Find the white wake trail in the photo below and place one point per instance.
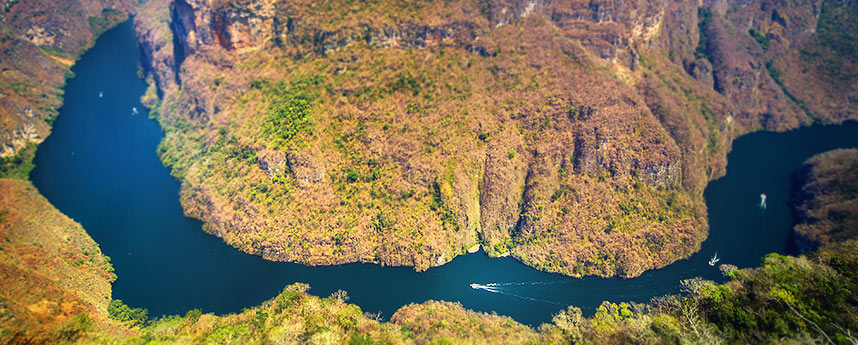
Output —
(496, 288)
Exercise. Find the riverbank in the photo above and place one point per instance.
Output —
(614, 321)
(590, 160)
(803, 298)
(39, 43)
(54, 279)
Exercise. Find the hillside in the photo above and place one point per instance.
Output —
(576, 137)
(827, 203)
(39, 42)
(55, 289)
(54, 280)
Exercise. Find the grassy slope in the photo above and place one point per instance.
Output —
(785, 300)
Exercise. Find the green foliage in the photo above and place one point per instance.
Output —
(437, 205)
(835, 47)
(193, 314)
(75, 327)
(352, 176)
(289, 111)
(120, 312)
(761, 38)
(361, 339)
(705, 17)
(286, 299)
(406, 83)
(19, 165)
(785, 297)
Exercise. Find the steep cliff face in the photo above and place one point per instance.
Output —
(575, 136)
(40, 40)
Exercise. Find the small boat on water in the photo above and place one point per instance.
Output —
(134, 111)
(714, 260)
(101, 94)
(475, 286)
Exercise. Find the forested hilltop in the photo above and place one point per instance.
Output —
(58, 295)
(575, 136)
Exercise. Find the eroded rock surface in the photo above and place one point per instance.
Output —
(575, 136)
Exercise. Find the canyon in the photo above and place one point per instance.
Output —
(40, 41)
(574, 136)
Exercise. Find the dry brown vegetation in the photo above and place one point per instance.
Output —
(523, 144)
(39, 42)
(54, 280)
(827, 203)
(577, 138)
(794, 300)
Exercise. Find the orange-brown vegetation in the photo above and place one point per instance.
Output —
(788, 299)
(827, 203)
(575, 137)
(39, 41)
(54, 280)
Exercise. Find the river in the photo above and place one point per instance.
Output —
(99, 167)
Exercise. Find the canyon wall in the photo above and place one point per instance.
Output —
(575, 136)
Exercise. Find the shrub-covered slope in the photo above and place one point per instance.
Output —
(54, 280)
(827, 203)
(806, 299)
(577, 137)
(39, 41)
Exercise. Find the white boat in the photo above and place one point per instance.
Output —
(714, 260)
(475, 286)
(100, 94)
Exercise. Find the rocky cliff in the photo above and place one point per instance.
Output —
(40, 40)
(574, 136)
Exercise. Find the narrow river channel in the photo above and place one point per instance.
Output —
(100, 167)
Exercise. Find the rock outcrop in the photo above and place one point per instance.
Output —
(575, 136)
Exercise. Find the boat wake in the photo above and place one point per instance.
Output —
(499, 288)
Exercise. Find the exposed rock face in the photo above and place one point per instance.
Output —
(575, 136)
(306, 168)
(40, 40)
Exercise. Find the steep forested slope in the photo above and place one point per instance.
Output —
(576, 136)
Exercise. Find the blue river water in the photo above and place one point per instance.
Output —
(100, 167)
